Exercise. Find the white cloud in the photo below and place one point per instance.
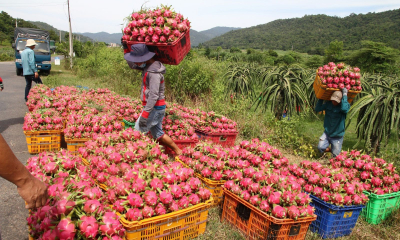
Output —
(96, 16)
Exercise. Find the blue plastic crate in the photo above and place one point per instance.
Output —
(334, 221)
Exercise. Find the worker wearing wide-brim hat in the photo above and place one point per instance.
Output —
(151, 94)
(30, 70)
(334, 123)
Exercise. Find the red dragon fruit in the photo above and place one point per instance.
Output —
(89, 226)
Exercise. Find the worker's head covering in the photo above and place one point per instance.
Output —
(139, 53)
(337, 96)
(30, 42)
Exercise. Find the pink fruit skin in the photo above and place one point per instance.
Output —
(66, 229)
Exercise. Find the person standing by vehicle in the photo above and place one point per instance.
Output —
(30, 70)
(334, 123)
(152, 94)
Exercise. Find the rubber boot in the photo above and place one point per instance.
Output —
(167, 141)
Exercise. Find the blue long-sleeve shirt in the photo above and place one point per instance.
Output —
(335, 116)
(28, 61)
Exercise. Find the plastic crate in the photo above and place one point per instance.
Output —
(73, 145)
(380, 207)
(181, 144)
(169, 53)
(223, 139)
(128, 124)
(215, 187)
(40, 141)
(256, 224)
(185, 224)
(334, 221)
(324, 93)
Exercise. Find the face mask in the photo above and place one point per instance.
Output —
(142, 65)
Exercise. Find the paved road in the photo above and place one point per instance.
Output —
(12, 111)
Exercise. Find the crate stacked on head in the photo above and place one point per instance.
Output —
(337, 197)
(154, 197)
(76, 208)
(380, 180)
(210, 126)
(165, 32)
(334, 77)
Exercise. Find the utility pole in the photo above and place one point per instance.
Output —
(60, 36)
(71, 48)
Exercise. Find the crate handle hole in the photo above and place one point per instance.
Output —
(243, 211)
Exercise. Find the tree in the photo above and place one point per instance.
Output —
(235, 50)
(272, 53)
(375, 57)
(334, 53)
(314, 62)
(288, 59)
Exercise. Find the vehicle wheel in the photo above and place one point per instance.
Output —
(18, 71)
(45, 72)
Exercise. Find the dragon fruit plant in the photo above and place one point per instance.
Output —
(340, 76)
(159, 25)
(75, 208)
(336, 186)
(42, 120)
(376, 175)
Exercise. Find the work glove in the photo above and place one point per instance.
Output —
(345, 91)
(142, 122)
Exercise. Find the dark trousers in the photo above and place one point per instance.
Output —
(29, 79)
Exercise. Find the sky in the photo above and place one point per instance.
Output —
(108, 16)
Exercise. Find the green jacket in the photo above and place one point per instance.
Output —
(335, 116)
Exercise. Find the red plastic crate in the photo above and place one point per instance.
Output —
(169, 53)
(181, 144)
(223, 139)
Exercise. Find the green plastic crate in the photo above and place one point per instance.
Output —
(128, 124)
(380, 207)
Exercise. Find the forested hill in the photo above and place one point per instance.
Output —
(312, 33)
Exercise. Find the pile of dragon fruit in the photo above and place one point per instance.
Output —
(76, 207)
(152, 188)
(376, 175)
(178, 128)
(140, 181)
(88, 122)
(42, 120)
(336, 186)
(261, 178)
(340, 76)
(208, 122)
(159, 25)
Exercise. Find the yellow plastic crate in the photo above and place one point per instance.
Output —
(215, 187)
(73, 145)
(40, 141)
(184, 224)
